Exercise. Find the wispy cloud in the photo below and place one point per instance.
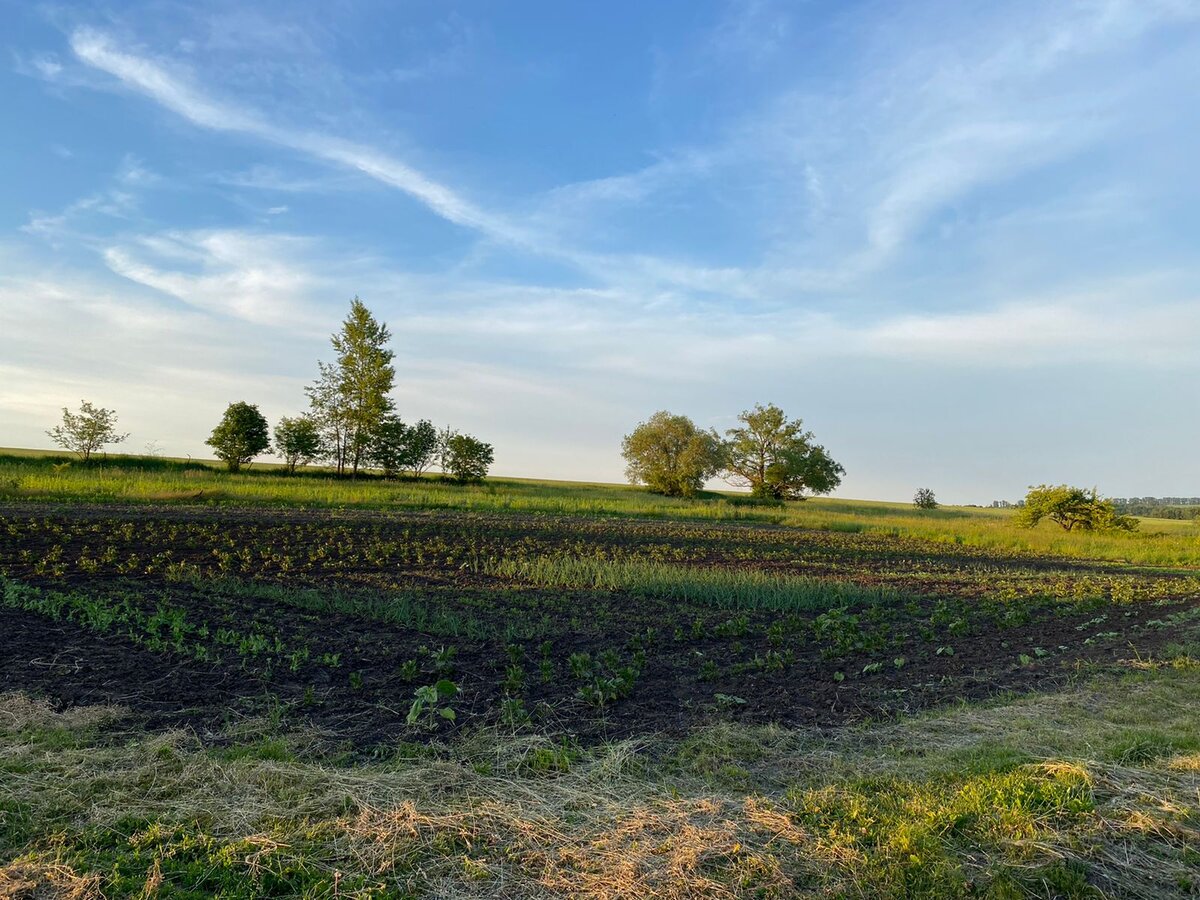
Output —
(1094, 326)
(56, 226)
(838, 181)
(271, 178)
(155, 81)
(47, 66)
(846, 209)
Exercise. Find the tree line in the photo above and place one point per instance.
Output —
(351, 423)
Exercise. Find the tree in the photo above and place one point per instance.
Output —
(86, 431)
(241, 435)
(329, 412)
(1071, 508)
(350, 397)
(298, 441)
(670, 455)
(468, 459)
(441, 450)
(389, 446)
(396, 447)
(925, 499)
(420, 447)
(777, 458)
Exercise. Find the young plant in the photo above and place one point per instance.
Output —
(430, 703)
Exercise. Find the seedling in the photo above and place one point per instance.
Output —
(513, 712)
(427, 705)
(580, 664)
(409, 670)
(514, 680)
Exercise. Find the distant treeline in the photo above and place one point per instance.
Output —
(1159, 507)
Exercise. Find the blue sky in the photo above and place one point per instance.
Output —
(958, 238)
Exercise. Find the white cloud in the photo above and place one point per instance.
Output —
(233, 273)
(267, 178)
(550, 376)
(1104, 326)
(133, 172)
(841, 179)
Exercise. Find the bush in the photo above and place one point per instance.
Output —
(925, 499)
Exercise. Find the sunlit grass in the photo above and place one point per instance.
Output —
(138, 480)
(722, 588)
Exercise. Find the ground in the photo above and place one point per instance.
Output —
(599, 699)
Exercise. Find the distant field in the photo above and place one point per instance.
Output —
(261, 685)
(26, 474)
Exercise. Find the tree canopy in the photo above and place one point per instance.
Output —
(298, 441)
(924, 498)
(397, 448)
(776, 458)
(351, 397)
(1072, 508)
(467, 458)
(670, 455)
(241, 435)
(86, 431)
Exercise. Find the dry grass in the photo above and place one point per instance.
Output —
(37, 881)
(729, 813)
(20, 713)
(669, 848)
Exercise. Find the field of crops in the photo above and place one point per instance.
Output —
(377, 635)
(594, 627)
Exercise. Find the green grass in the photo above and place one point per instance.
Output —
(721, 588)
(32, 475)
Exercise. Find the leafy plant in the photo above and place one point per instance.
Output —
(513, 711)
(429, 703)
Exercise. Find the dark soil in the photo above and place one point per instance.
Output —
(699, 664)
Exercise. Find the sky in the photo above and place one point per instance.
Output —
(958, 238)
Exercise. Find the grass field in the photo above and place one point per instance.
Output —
(256, 685)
